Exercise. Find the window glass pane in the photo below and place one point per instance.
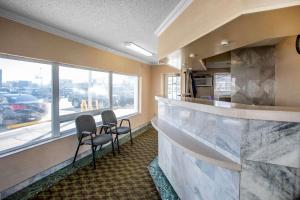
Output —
(81, 91)
(25, 103)
(174, 80)
(173, 86)
(125, 94)
(222, 85)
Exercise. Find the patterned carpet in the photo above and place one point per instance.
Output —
(124, 176)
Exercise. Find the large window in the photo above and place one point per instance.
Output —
(125, 94)
(25, 102)
(172, 86)
(81, 91)
(39, 100)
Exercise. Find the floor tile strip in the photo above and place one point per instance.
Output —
(161, 182)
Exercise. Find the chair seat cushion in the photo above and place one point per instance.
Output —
(121, 130)
(99, 139)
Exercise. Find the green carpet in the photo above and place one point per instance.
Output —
(124, 176)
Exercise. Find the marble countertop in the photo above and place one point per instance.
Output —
(271, 113)
(194, 147)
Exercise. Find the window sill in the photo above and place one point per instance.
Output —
(62, 135)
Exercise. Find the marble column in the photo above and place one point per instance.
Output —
(253, 76)
(270, 154)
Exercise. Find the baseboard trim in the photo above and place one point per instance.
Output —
(45, 179)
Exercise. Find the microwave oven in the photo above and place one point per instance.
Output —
(203, 81)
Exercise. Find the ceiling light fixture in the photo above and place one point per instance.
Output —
(192, 55)
(137, 49)
(224, 43)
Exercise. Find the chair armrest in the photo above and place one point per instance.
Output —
(86, 133)
(105, 126)
(127, 121)
(101, 128)
(108, 126)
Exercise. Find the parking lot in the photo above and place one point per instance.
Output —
(29, 132)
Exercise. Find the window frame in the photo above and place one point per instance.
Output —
(137, 95)
(166, 84)
(55, 118)
(72, 116)
(215, 83)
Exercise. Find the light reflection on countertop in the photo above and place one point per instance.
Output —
(275, 113)
(224, 104)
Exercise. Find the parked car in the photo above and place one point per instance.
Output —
(4, 90)
(66, 92)
(126, 100)
(42, 93)
(124, 96)
(78, 95)
(19, 108)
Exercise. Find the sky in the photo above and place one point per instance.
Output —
(14, 70)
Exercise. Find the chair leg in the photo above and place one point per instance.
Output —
(112, 146)
(131, 138)
(76, 154)
(94, 162)
(118, 143)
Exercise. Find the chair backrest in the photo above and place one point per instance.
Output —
(108, 116)
(85, 123)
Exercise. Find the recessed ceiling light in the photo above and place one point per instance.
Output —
(224, 43)
(192, 55)
(137, 49)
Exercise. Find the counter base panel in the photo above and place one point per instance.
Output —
(192, 178)
(263, 181)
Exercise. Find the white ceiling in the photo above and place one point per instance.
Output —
(109, 23)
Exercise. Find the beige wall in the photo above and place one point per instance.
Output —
(17, 39)
(287, 73)
(202, 17)
(194, 22)
(21, 40)
(246, 30)
(157, 82)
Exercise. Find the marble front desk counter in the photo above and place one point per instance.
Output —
(217, 150)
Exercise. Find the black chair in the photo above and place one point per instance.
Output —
(110, 123)
(87, 135)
